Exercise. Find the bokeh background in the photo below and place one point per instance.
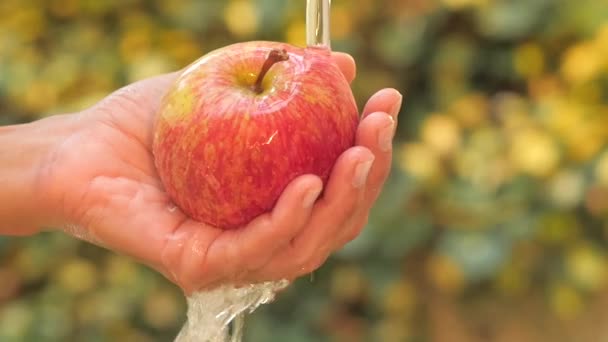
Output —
(493, 226)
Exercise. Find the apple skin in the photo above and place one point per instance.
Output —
(225, 153)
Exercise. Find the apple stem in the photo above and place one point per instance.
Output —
(275, 56)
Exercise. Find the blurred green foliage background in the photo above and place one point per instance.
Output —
(493, 226)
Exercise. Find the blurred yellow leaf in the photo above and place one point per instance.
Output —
(461, 4)
(558, 229)
(566, 301)
(419, 160)
(241, 17)
(120, 271)
(581, 63)
(40, 96)
(601, 43)
(534, 152)
(64, 8)
(471, 110)
(567, 188)
(152, 65)
(601, 170)
(77, 276)
(400, 299)
(529, 60)
(392, 330)
(348, 283)
(296, 33)
(28, 23)
(482, 161)
(445, 274)
(161, 309)
(441, 133)
(341, 20)
(180, 45)
(513, 280)
(587, 267)
(135, 44)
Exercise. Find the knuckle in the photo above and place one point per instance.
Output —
(301, 257)
(234, 252)
(254, 260)
(171, 261)
(345, 212)
(252, 256)
(198, 255)
(127, 98)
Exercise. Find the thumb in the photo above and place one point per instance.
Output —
(133, 107)
(145, 95)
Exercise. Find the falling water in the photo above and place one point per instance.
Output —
(211, 313)
(318, 23)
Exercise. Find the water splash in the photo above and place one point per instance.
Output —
(211, 313)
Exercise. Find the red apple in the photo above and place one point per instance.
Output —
(245, 120)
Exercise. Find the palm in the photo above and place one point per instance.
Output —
(115, 198)
(118, 185)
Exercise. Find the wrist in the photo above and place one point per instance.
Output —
(26, 156)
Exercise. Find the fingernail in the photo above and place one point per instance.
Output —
(311, 197)
(362, 172)
(397, 107)
(385, 138)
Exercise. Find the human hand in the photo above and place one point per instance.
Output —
(104, 183)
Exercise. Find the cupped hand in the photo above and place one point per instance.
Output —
(105, 185)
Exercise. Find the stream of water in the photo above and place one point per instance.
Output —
(212, 313)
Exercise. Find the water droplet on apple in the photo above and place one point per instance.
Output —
(172, 208)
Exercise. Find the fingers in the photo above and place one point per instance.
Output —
(256, 243)
(345, 192)
(347, 65)
(344, 188)
(297, 237)
(186, 256)
(386, 100)
(344, 209)
(375, 132)
(232, 254)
